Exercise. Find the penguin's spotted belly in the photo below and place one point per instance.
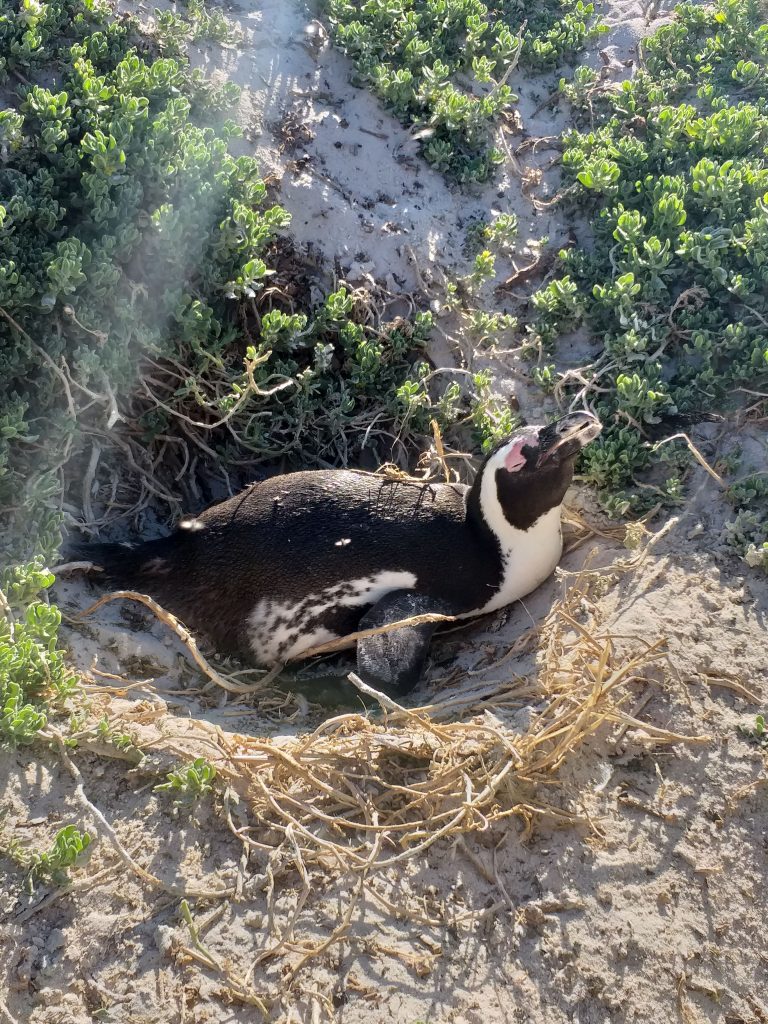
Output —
(279, 631)
(297, 560)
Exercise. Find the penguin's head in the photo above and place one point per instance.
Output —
(533, 468)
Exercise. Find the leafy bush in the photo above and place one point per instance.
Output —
(107, 183)
(191, 781)
(757, 733)
(33, 674)
(174, 30)
(442, 64)
(674, 172)
(748, 530)
(69, 846)
(130, 239)
(49, 866)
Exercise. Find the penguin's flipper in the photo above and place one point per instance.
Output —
(393, 661)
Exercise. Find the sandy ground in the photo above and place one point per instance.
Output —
(652, 907)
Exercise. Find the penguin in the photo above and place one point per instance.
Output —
(296, 560)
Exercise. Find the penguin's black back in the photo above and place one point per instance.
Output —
(289, 538)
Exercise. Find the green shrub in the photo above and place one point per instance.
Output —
(441, 64)
(196, 24)
(133, 244)
(674, 174)
(33, 675)
(120, 213)
(51, 866)
(756, 733)
(69, 846)
(191, 781)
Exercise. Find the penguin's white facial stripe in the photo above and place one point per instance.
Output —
(490, 505)
(280, 630)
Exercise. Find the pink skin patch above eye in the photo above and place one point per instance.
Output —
(515, 459)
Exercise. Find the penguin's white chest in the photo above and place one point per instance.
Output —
(528, 558)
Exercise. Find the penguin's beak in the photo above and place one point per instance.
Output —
(567, 436)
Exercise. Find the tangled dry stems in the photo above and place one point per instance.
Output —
(367, 791)
(363, 793)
